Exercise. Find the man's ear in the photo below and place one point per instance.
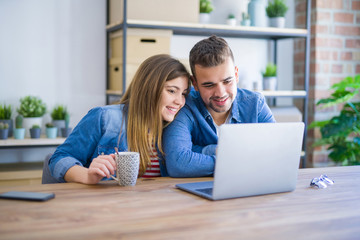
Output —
(237, 74)
(194, 83)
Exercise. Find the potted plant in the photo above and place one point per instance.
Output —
(65, 132)
(245, 19)
(4, 130)
(58, 117)
(32, 109)
(276, 11)
(206, 8)
(5, 117)
(231, 20)
(51, 130)
(269, 77)
(341, 133)
(19, 131)
(35, 131)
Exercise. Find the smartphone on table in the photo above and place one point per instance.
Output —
(29, 196)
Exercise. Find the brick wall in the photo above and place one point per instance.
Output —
(335, 54)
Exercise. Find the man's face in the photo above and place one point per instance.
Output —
(217, 86)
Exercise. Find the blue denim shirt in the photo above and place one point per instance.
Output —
(190, 140)
(97, 133)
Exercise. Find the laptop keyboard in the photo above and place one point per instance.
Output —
(205, 190)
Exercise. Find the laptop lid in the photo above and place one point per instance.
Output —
(255, 159)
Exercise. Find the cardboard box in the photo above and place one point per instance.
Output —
(115, 73)
(141, 43)
(156, 10)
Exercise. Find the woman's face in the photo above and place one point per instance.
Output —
(173, 97)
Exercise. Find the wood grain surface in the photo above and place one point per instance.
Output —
(155, 209)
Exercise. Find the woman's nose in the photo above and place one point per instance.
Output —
(179, 99)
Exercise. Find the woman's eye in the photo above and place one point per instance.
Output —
(171, 91)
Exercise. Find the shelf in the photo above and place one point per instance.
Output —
(114, 92)
(31, 142)
(292, 94)
(198, 29)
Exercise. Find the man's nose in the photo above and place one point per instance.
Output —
(220, 90)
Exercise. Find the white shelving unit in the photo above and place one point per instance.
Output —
(197, 29)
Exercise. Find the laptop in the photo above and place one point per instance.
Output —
(253, 159)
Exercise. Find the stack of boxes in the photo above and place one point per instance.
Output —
(143, 43)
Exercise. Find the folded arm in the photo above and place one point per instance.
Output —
(183, 158)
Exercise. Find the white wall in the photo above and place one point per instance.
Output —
(53, 49)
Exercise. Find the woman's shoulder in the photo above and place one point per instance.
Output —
(108, 109)
(106, 113)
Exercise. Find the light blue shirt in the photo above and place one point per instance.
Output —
(97, 133)
(190, 140)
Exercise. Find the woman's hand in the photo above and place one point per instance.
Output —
(100, 167)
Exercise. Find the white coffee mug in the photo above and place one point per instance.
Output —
(127, 168)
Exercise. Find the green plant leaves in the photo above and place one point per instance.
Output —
(59, 112)
(277, 8)
(31, 107)
(270, 70)
(206, 6)
(5, 112)
(342, 132)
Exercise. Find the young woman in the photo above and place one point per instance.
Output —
(155, 95)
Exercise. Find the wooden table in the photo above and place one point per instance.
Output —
(155, 209)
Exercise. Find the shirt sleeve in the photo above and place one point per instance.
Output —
(264, 113)
(182, 158)
(79, 146)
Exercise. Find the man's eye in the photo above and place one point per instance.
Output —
(208, 85)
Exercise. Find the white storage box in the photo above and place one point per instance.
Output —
(156, 10)
(286, 114)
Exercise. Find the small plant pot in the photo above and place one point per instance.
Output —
(19, 133)
(4, 133)
(29, 122)
(10, 123)
(231, 21)
(51, 132)
(245, 22)
(278, 22)
(204, 18)
(59, 124)
(35, 132)
(65, 132)
(269, 83)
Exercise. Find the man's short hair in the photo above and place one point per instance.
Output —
(209, 52)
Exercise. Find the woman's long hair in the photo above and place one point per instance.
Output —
(142, 104)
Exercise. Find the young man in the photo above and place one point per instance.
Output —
(190, 140)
